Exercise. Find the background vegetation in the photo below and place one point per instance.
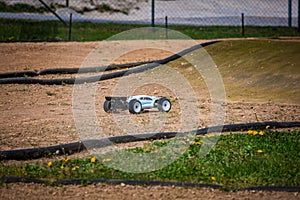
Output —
(15, 30)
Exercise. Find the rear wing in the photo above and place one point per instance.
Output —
(117, 103)
(115, 98)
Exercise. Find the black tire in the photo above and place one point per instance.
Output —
(135, 106)
(107, 106)
(164, 105)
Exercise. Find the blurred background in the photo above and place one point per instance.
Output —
(89, 20)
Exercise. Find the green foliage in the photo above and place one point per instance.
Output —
(238, 160)
(20, 7)
(85, 31)
(107, 8)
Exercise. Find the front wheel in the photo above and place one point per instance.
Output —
(164, 105)
(135, 106)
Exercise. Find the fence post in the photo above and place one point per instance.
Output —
(166, 27)
(152, 13)
(67, 3)
(243, 24)
(290, 13)
(70, 27)
(298, 15)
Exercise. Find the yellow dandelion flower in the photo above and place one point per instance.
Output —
(211, 135)
(268, 126)
(259, 151)
(198, 143)
(106, 160)
(213, 178)
(75, 167)
(261, 133)
(255, 133)
(93, 159)
(250, 132)
(49, 164)
(67, 159)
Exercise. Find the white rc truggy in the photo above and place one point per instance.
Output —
(136, 104)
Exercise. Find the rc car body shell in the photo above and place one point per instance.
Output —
(136, 104)
(146, 101)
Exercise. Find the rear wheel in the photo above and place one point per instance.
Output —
(164, 105)
(135, 106)
(107, 106)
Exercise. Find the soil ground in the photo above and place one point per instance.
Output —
(40, 115)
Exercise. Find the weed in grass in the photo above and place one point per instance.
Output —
(238, 160)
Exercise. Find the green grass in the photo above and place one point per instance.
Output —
(84, 31)
(234, 162)
(259, 71)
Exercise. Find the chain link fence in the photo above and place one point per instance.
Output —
(283, 13)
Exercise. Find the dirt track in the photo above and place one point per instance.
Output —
(37, 115)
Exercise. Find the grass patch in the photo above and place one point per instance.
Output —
(259, 70)
(11, 30)
(252, 70)
(238, 160)
(213, 32)
(14, 30)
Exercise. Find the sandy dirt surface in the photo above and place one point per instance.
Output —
(40, 115)
(122, 192)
